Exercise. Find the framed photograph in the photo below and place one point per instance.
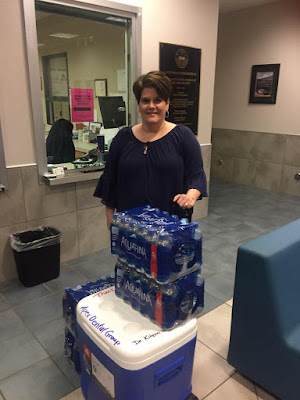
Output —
(95, 127)
(100, 87)
(264, 81)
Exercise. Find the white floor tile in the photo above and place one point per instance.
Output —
(235, 388)
(263, 395)
(210, 371)
(214, 329)
(76, 395)
(229, 302)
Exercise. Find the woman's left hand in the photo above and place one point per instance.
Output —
(185, 200)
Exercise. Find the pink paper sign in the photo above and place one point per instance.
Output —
(82, 105)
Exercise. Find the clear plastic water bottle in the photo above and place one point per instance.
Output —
(196, 231)
(114, 232)
(192, 301)
(141, 258)
(155, 310)
(119, 278)
(124, 234)
(135, 288)
(145, 289)
(151, 235)
(126, 284)
(133, 226)
(197, 237)
(124, 223)
(184, 221)
(164, 249)
(170, 306)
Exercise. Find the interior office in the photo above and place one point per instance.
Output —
(78, 61)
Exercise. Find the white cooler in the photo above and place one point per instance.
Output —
(124, 356)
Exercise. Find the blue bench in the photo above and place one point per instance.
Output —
(265, 329)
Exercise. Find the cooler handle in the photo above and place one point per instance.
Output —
(169, 372)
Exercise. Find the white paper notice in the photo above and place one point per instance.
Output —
(103, 376)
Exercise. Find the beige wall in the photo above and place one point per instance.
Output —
(15, 107)
(259, 35)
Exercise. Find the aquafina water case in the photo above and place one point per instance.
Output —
(157, 244)
(72, 297)
(165, 304)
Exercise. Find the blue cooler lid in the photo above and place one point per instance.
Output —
(128, 338)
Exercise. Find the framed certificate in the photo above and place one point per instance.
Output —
(100, 87)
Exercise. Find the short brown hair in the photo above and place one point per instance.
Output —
(155, 79)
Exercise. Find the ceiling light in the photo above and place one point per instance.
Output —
(116, 19)
(41, 44)
(64, 35)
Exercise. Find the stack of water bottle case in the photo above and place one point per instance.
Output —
(70, 300)
(158, 270)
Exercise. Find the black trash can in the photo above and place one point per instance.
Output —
(37, 254)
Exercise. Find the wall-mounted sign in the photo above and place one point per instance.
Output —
(182, 65)
(82, 105)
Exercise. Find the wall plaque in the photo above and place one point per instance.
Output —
(182, 65)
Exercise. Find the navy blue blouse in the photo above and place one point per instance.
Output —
(134, 177)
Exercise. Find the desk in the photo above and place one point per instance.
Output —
(84, 147)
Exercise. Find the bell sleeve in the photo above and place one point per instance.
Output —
(107, 186)
(194, 175)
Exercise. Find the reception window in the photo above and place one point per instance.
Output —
(86, 67)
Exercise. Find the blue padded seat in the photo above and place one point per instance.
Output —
(265, 330)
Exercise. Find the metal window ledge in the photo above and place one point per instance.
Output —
(74, 176)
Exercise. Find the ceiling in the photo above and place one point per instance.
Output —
(234, 5)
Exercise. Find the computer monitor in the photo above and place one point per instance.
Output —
(113, 111)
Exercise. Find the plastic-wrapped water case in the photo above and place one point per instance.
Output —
(125, 356)
(167, 305)
(162, 246)
(71, 349)
(73, 296)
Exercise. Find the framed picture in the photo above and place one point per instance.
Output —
(264, 81)
(95, 127)
(100, 87)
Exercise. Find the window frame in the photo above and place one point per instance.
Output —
(3, 172)
(103, 6)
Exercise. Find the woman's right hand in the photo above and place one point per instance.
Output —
(109, 216)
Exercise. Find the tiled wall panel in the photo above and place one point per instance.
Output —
(222, 167)
(292, 151)
(84, 195)
(43, 200)
(289, 184)
(92, 230)
(268, 176)
(12, 208)
(244, 171)
(265, 160)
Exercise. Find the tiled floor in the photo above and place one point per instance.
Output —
(33, 365)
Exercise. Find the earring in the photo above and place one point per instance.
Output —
(139, 115)
(167, 114)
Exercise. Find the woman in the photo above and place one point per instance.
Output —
(155, 162)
